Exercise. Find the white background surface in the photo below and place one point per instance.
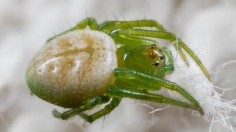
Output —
(207, 26)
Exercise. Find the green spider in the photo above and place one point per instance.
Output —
(82, 68)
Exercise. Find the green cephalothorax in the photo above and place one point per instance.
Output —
(148, 59)
(82, 68)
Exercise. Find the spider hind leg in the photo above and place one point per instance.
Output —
(106, 110)
(86, 106)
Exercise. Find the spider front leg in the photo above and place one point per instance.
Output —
(121, 92)
(110, 26)
(167, 36)
(138, 79)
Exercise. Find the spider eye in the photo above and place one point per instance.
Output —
(156, 63)
(152, 55)
(162, 57)
(152, 47)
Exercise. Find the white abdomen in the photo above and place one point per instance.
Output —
(74, 67)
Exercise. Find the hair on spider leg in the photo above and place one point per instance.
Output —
(114, 15)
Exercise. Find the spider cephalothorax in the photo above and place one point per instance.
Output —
(81, 68)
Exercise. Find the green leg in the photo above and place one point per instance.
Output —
(91, 22)
(168, 36)
(86, 106)
(108, 108)
(133, 41)
(136, 94)
(139, 79)
(109, 26)
(181, 53)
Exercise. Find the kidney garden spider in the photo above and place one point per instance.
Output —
(82, 68)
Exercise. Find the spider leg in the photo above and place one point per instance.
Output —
(147, 82)
(106, 110)
(167, 36)
(86, 106)
(181, 53)
(110, 26)
(120, 92)
(91, 22)
(132, 40)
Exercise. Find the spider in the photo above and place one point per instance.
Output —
(82, 68)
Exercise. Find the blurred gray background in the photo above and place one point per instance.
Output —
(25, 25)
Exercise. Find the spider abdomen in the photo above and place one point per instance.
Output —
(73, 68)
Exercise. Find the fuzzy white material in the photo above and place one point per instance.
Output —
(204, 91)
